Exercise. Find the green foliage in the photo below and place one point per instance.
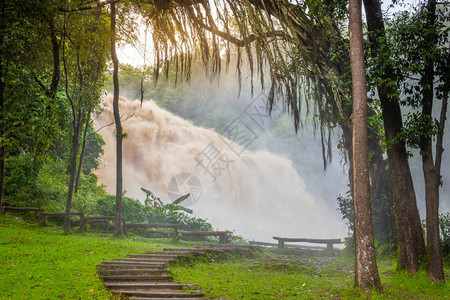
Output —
(21, 184)
(345, 206)
(409, 46)
(130, 78)
(165, 209)
(385, 243)
(408, 38)
(52, 185)
(27, 117)
(43, 182)
(418, 126)
(444, 226)
(93, 151)
(132, 209)
(153, 212)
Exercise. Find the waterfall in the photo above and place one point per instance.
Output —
(257, 194)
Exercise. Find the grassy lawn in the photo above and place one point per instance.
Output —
(44, 263)
(303, 274)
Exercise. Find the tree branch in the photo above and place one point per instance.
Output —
(234, 40)
(87, 7)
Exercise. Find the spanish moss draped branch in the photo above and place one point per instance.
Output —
(278, 42)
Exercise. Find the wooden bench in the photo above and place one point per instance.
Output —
(43, 216)
(329, 242)
(128, 226)
(103, 219)
(224, 236)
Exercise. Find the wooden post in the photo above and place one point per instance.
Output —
(330, 246)
(280, 243)
(175, 231)
(125, 227)
(42, 219)
(82, 222)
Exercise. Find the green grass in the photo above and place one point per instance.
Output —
(44, 263)
(303, 274)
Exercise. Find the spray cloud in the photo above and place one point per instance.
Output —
(258, 194)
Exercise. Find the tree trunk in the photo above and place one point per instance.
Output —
(119, 137)
(83, 147)
(366, 270)
(2, 103)
(2, 175)
(430, 173)
(73, 167)
(435, 268)
(51, 93)
(409, 229)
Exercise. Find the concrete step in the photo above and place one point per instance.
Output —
(132, 278)
(165, 298)
(136, 263)
(171, 250)
(183, 252)
(149, 259)
(130, 266)
(157, 294)
(133, 272)
(147, 285)
(154, 255)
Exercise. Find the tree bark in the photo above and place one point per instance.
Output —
(2, 147)
(2, 104)
(119, 137)
(409, 229)
(76, 126)
(366, 270)
(51, 93)
(430, 173)
(83, 147)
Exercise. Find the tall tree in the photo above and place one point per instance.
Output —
(430, 173)
(2, 103)
(410, 236)
(82, 66)
(366, 270)
(119, 134)
(422, 56)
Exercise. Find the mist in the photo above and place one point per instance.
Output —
(256, 193)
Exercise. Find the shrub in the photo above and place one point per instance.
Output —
(444, 225)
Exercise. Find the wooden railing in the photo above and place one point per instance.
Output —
(128, 226)
(224, 236)
(43, 217)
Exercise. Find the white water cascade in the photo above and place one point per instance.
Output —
(259, 195)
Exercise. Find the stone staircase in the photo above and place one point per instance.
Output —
(143, 276)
